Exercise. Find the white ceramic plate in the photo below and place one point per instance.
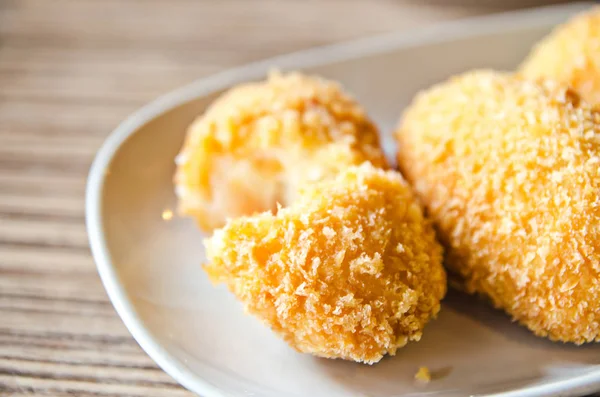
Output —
(198, 333)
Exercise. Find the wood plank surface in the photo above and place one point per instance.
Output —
(70, 70)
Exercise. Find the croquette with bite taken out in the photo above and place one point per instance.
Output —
(350, 270)
(258, 143)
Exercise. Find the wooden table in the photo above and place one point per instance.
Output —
(70, 70)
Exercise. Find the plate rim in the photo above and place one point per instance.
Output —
(345, 51)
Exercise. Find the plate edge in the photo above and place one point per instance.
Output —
(461, 28)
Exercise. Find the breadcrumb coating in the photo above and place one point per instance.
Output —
(570, 54)
(259, 142)
(350, 270)
(509, 172)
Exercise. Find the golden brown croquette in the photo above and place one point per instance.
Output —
(509, 171)
(259, 142)
(350, 270)
(570, 54)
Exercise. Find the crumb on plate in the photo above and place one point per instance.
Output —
(423, 375)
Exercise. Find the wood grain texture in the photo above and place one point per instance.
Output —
(70, 70)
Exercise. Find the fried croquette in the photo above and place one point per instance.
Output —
(570, 54)
(509, 171)
(259, 142)
(350, 270)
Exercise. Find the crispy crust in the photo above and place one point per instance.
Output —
(259, 142)
(570, 54)
(351, 270)
(510, 172)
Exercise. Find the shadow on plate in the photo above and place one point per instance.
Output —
(457, 348)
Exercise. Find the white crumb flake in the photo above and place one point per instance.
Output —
(328, 232)
(180, 191)
(181, 159)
